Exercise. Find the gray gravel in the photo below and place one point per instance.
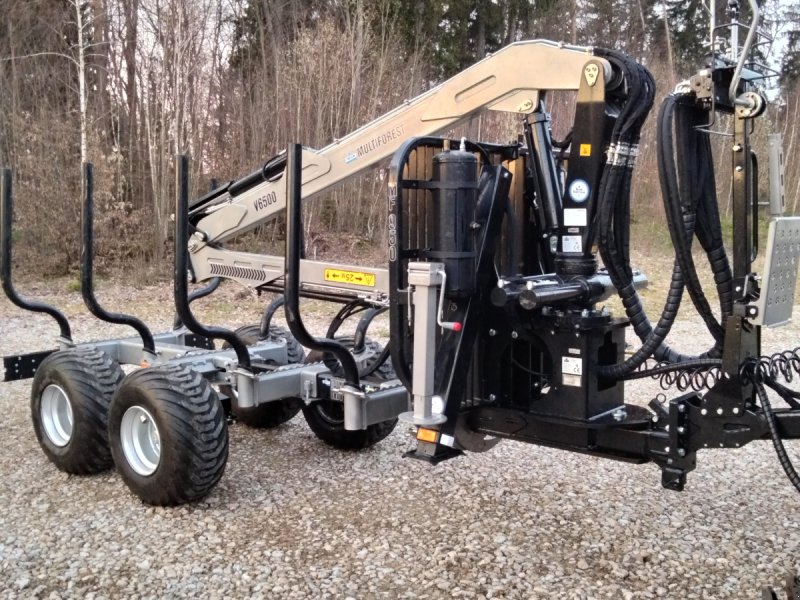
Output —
(293, 518)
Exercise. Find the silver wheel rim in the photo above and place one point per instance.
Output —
(56, 414)
(141, 442)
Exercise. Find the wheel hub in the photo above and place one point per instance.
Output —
(56, 414)
(141, 441)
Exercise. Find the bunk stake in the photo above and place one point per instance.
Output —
(6, 220)
(181, 281)
(87, 269)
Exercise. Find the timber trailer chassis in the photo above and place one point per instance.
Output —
(492, 290)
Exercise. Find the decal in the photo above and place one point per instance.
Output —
(265, 201)
(391, 223)
(383, 139)
(571, 243)
(579, 190)
(575, 217)
(586, 149)
(572, 366)
(351, 277)
(571, 371)
(350, 158)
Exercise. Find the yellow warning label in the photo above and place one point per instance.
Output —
(352, 277)
(586, 149)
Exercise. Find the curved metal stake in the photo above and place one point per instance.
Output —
(181, 281)
(87, 269)
(294, 228)
(6, 220)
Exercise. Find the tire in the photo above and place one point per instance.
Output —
(168, 434)
(326, 417)
(70, 396)
(271, 414)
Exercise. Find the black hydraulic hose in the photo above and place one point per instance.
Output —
(6, 222)
(699, 363)
(266, 318)
(701, 218)
(294, 228)
(87, 268)
(360, 336)
(180, 275)
(681, 202)
(202, 292)
(789, 396)
(777, 442)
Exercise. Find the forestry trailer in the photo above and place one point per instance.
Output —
(492, 288)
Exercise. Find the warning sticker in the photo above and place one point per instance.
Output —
(586, 149)
(351, 277)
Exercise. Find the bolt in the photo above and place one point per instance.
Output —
(681, 452)
(655, 419)
(514, 335)
(704, 412)
(584, 313)
(492, 397)
(738, 288)
(666, 449)
(719, 410)
(666, 427)
(492, 333)
(681, 408)
(681, 430)
(619, 414)
(736, 410)
(737, 148)
(739, 169)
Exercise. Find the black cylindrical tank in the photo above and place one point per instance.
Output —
(455, 196)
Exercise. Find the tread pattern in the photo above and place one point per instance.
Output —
(323, 416)
(193, 430)
(272, 414)
(89, 376)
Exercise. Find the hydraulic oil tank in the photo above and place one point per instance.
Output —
(454, 198)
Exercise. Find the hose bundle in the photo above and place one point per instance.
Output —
(689, 196)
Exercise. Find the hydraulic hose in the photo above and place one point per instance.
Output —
(777, 442)
(689, 195)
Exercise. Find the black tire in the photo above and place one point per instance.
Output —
(326, 417)
(70, 396)
(272, 414)
(192, 434)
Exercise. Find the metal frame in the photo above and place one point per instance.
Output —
(459, 354)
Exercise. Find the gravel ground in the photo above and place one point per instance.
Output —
(293, 518)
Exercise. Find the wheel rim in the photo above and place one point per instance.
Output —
(331, 412)
(56, 414)
(141, 441)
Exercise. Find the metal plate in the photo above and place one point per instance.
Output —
(780, 272)
(23, 366)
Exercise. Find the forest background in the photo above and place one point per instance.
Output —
(127, 84)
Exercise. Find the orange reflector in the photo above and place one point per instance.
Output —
(427, 435)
